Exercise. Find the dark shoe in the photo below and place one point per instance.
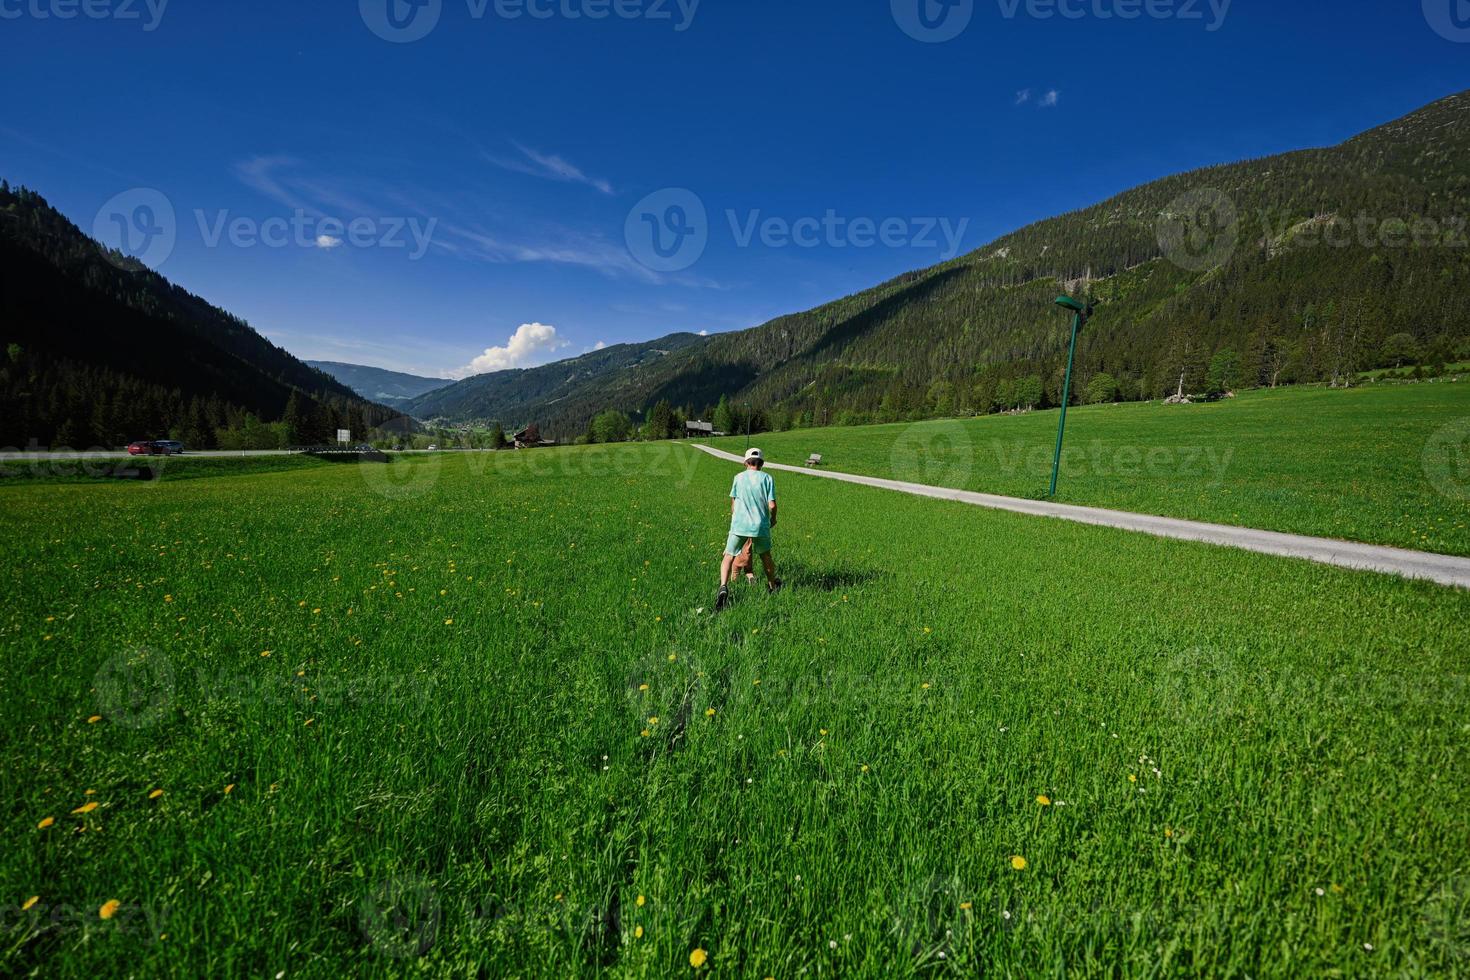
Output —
(773, 589)
(722, 601)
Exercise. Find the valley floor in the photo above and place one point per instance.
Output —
(472, 714)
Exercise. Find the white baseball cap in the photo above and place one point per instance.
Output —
(751, 454)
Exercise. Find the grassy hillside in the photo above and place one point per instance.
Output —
(475, 723)
(1326, 264)
(1384, 464)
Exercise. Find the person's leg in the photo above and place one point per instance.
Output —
(728, 561)
(770, 564)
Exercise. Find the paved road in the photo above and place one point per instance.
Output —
(1443, 569)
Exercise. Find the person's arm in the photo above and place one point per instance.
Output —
(771, 503)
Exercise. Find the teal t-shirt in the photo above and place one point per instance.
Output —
(752, 491)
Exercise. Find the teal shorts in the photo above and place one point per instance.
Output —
(736, 544)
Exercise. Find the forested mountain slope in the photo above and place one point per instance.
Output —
(1331, 252)
(99, 350)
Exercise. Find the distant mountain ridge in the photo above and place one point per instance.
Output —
(1303, 292)
(380, 384)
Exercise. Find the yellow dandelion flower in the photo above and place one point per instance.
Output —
(642, 687)
(966, 906)
(865, 767)
(449, 622)
(229, 789)
(653, 720)
(168, 598)
(86, 807)
(316, 611)
(155, 794)
(673, 657)
(925, 685)
(638, 933)
(1132, 778)
(265, 653)
(94, 719)
(1043, 800)
(823, 731)
(557, 897)
(45, 822)
(641, 900)
(29, 902)
(109, 908)
(645, 733)
(308, 722)
(697, 958)
(1168, 831)
(1018, 862)
(709, 712)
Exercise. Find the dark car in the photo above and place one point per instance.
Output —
(144, 447)
(171, 447)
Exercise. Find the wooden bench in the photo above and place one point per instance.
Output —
(815, 459)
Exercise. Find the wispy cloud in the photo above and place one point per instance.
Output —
(1023, 96)
(1050, 99)
(531, 344)
(548, 166)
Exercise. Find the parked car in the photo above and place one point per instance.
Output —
(433, 448)
(171, 447)
(145, 447)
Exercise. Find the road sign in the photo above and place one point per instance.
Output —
(344, 436)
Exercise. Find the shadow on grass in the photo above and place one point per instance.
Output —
(796, 575)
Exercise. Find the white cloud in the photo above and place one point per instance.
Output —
(599, 345)
(548, 166)
(1050, 99)
(1023, 96)
(327, 241)
(704, 333)
(527, 347)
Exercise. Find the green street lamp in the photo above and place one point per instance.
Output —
(1080, 314)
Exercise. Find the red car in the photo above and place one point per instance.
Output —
(147, 447)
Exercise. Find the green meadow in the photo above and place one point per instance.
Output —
(1385, 464)
(471, 715)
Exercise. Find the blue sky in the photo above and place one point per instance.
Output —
(505, 169)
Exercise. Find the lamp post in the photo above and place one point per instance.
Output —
(1080, 315)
